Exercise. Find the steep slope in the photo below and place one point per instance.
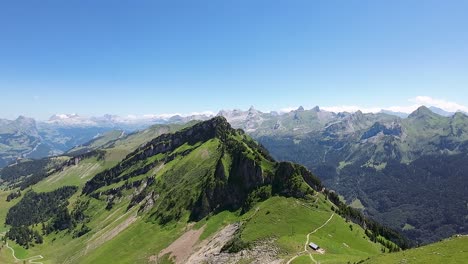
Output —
(204, 188)
(450, 251)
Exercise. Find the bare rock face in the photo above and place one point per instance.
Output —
(209, 250)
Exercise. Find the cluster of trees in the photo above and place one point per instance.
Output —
(141, 195)
(13, 195)
(259, 148)
(87, 153)
(428, 195)
(35, 207)
(31, 180)
(48, 209)
(114, 175)
(374, 228)
(386, 243)
(28, 173)
(60, 221)
(24, 236)
(16, 172)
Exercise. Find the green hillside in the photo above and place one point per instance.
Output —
(204, 188)
(451, 251)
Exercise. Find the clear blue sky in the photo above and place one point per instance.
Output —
(139, 57)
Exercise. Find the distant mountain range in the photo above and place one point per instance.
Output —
(115, 121)
(410, 173)
(25, 138)
(28, 138)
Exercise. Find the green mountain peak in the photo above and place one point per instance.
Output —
(422, 111)
(207, 167)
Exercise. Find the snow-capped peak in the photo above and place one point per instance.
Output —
(70, 120)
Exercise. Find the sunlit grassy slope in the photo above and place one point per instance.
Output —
(450, 251)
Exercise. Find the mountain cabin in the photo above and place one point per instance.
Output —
(313, 246)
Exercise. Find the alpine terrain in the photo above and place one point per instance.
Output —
(197, 193)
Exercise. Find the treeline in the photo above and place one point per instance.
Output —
(398, 194)
(404, 194)
(50, 211)
(373, 228)
(28, 173)
(86, 152)
(392, 247)
(36, 208)
(24, 236)
(15, 172)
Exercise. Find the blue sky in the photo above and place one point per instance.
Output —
(150, 57)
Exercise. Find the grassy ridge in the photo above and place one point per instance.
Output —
(450, 251)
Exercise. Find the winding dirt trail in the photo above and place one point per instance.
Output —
(31, 260)
(307, 242)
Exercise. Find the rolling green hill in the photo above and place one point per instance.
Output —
(205, 193)
(451, 251)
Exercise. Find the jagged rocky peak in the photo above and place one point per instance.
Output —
(252, 112)
(217, 120)
(316, 109)
(222, 112)
(356, 116)
(214, 127)
(300, 108)
(218, 124)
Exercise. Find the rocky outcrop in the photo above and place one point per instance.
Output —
(229, 192)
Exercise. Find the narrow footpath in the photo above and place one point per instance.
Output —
(305, 251)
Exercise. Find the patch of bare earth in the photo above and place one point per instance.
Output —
(181, 249)
(212, 246)
(111, 233)
(204, 153)
(209, 250)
